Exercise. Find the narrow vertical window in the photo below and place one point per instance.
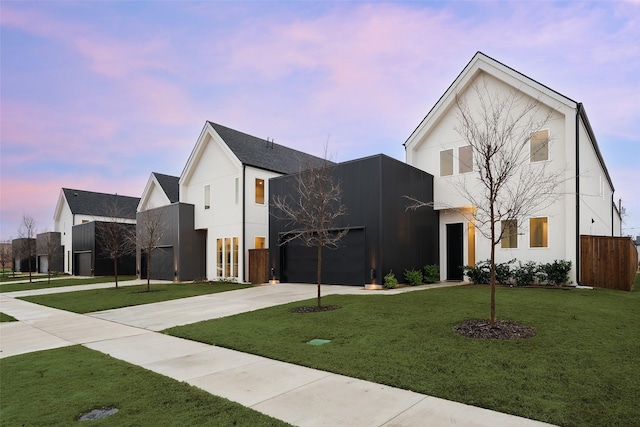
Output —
(446, 162)
(540, 145)
(472, 245)
(220, 258)
(227, 256)
(207, 196)
(235, 257)
(509, 234)
(237, 190)
(539, 232)
(260, 191)
(465, 159)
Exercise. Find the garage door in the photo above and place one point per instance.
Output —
(82, 264)
(342, 266)
(161, 264)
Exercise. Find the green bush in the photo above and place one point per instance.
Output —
(503, 272)
(525, 274)
(414, 277)
(479, 274)
(390, 280)
(431, 273)
(557, 272)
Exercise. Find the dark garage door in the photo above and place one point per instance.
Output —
(342, 266)
(161, 264)
(82, 264)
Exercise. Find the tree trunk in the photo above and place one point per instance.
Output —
(319, 272)
(492, 280)
(115, 269)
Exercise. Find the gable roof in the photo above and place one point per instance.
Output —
(100, 204)
(263, 154)
(170, 186)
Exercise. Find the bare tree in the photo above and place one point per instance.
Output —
(51, 247)
(150, 229)
(313, 210)
(117, 238)
(508, 187)
(5, 255)
(27, 234)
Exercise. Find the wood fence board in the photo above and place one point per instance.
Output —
(608, 262)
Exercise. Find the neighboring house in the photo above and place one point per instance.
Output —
(89, 258)
(585, 204)
(79, 207)
(181, 253)
(226, 179)
(383, 236)
(49, 252)
(23, 251)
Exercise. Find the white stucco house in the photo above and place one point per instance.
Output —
(161, 190)
(226, 178)
(566, 142)
(77, 207)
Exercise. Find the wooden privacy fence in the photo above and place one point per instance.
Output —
(258, 266)
(608, 262)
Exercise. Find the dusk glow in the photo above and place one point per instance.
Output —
(97, 95)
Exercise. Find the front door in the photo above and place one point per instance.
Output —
(454, 252)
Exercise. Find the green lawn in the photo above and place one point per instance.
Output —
(25, 286)
(6, 318)
(54, 387)
(109, 298)
(580, 369)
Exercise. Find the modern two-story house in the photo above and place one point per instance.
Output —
(566, 143)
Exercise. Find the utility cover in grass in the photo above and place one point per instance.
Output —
(318, 341)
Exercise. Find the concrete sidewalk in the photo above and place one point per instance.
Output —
(74, 288)
(299, 395)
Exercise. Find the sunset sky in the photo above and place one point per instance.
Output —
(97, 95)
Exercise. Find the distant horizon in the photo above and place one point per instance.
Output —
(96, 96)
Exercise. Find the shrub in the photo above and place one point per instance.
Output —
(503, 272)
(390, 280)
(478, 274)
(414, 277)
(525, 274)
(557, 272)
(431, 273)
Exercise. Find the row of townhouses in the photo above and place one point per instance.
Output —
(218, 210)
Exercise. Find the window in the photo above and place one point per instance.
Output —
(220, 258)
(509, 234)
(260, 243)
(465, 159)
(207, 196)
(471, 250)
(227, 257)
(540, 145)
(538, 229)
(260, 191)
(237, 189)
(84, 221)
(446, 162)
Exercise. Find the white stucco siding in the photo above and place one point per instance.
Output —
(596, 194)
(63, 224)
(155, 197)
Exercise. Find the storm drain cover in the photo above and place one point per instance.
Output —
(318, 341)
(97, 414)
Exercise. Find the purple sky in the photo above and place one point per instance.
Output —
(97, 95)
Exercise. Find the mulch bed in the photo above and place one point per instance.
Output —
(314, 309)
(501, 330)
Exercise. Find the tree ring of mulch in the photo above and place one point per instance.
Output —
(501, 330)
(97, 414)
(314, 309)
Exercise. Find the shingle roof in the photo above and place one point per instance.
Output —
(100, 204)
(260, 153)
(170, 186)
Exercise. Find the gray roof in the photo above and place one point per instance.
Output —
(101, 204)
(263, 154)
(170, 186)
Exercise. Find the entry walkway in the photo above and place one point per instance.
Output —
(299, 395)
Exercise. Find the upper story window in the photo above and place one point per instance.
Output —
(446, 162)
(260, 191)
(509, 234)
(207, 196)
(237, 190)
(539, 143)
(538, 233)
(465, 159)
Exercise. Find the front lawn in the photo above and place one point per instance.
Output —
(54, 387)
(580, 369)
(6, 318)
(109, 298)
(25, 286)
